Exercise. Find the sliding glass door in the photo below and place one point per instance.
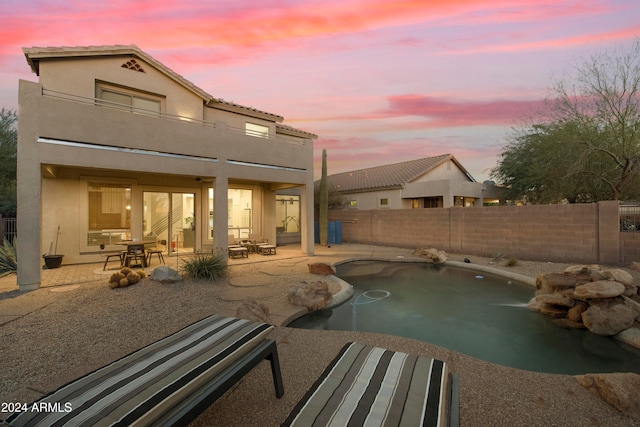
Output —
(171, 217)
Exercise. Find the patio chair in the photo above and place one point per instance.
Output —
(236, 250)
(135, 256)
(158, 250)
(232, 242)
(374, 386)
(108, 255)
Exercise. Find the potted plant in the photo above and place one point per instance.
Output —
(53, 260)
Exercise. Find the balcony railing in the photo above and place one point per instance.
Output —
(161, 115)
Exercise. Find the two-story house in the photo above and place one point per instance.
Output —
(429, 182)
(113, 145)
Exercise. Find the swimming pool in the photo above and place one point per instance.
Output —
(478, 314)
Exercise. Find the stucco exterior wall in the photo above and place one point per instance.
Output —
(557, 233)
(78, 76)
(66, 139)
(448, 170)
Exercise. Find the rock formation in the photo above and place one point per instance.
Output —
(606, 302)
(438, 257)
(314, 296)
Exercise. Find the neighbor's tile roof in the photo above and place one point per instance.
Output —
(389, 176)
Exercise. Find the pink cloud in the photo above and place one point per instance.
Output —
(445, 113)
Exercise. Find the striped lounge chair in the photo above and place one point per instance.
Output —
(168, 382)
(371, 386)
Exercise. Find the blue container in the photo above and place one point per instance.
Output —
(334, 232)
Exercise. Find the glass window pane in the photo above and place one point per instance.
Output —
(146, 106)
(288, 214)
(115, 100)
(240, 205)
(109, 213)
(257, 130)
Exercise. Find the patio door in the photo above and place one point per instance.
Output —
(170, 216)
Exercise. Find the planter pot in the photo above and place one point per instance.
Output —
(52, 261)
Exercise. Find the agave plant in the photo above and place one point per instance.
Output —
(8, 259)
(203, 266)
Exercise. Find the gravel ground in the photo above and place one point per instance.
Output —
(53, 335)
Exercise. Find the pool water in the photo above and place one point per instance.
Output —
(478, 314)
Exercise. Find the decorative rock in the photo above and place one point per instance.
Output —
(553, 310)
(630, 291)
(599, 289)
(610, 316)
(321, 268)
(438, 257)
(556, 299)
(581, 269)
(314, 296)
(251, 309)
(635, 266)
(630, 336)
(575, 313)
(619, 390)
(555, 282)
(619, 276)
(165, 274)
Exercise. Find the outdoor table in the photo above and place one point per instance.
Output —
(136, 246)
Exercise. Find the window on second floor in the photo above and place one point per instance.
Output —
(130, 100)
(259, 131)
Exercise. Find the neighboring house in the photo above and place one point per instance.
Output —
(431, 182)
(113, 145)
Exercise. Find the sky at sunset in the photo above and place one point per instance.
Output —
(378, 81)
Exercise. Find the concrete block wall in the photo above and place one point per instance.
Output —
(559, 233)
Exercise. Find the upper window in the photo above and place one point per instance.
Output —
(256, 130)
(130, 100)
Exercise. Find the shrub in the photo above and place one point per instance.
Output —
(205, 266)
(8, 259)
(512, 262)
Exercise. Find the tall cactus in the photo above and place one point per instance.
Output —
(324, 202)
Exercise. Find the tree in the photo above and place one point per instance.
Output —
(8, 162)
(585, 146)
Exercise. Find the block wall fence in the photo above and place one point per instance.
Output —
(581, 233)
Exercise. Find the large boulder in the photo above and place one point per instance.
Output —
(610, 316)
(619, 276)
(314, 296)
(165, 274)
(619, 390)
(599, 289)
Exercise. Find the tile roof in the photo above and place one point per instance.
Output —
(395, 175)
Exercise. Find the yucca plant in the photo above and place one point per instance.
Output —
(8, 259)
(209, 267)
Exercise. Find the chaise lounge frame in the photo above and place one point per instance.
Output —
(195, 366)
